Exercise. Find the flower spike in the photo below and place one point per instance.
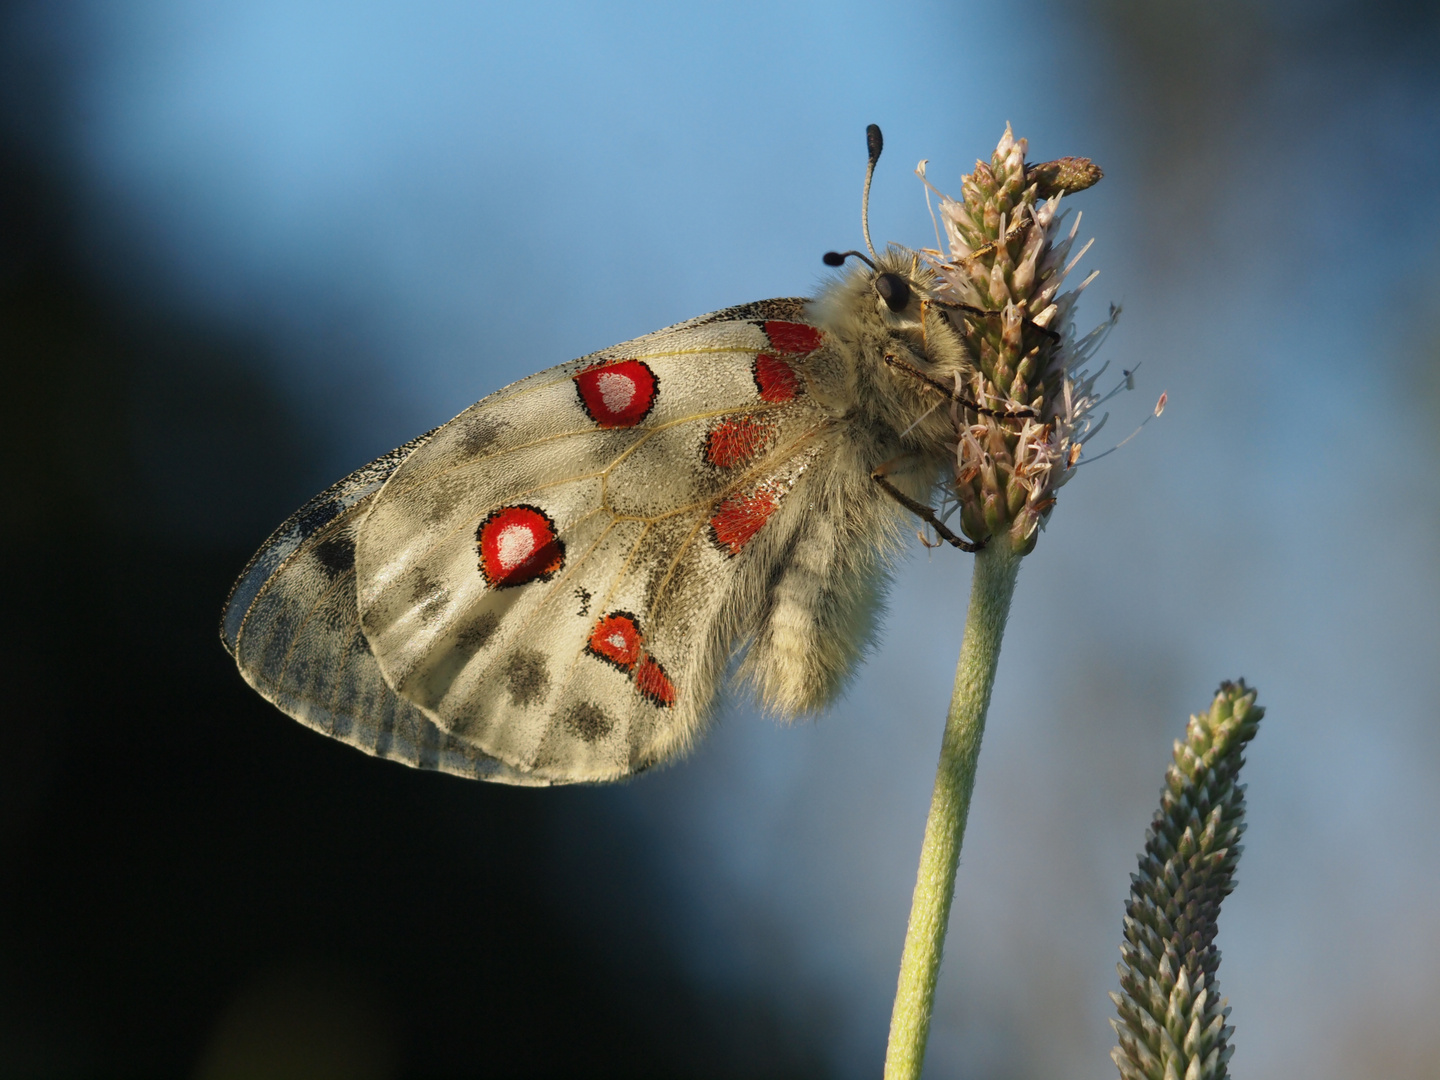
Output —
(1172, 1018)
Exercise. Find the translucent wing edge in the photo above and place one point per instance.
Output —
(427, 748)
(405, 734)
(299, 527)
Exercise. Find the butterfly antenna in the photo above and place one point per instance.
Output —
(837, 258)
(874, 143)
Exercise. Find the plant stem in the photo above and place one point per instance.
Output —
(996, 567)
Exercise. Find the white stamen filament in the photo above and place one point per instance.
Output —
(1071, 265)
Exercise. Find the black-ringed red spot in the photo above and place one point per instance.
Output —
(738, 440)
(617, 394)
(616, 639)
(792, 337)
(652, 682)
(775, 379)
(518, 544)
(740, 517)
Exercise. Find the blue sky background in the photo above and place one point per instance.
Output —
(416, 204)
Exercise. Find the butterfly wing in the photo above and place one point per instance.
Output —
(292, 625)
(560, 575)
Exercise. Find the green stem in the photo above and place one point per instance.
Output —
(990, 592)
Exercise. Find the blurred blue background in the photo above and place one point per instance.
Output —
(248, 247)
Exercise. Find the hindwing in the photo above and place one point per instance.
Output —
(292, 625)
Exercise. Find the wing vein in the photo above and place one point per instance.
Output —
(647, 430)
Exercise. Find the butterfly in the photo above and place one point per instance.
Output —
(552, 587)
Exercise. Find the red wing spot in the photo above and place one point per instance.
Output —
(775, 379)
(617, 394)
(737, 440)
(740, 518)
(793, 337)
(518, 544)
(653, 683)
(616, 640)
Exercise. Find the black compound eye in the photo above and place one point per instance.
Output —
(894, 290)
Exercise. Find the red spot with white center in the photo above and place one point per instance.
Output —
(616, 639)
(651, 681)
(518, 545)
(737, 440)
(793, 337)
(740, 517)
(775, 379)
(618, 394)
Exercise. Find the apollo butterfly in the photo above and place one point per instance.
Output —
(551, 587)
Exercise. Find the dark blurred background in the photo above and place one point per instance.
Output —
(247, 247)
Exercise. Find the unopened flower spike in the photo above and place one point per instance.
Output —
(1171, 1017)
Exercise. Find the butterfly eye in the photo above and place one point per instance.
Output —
(894, 290)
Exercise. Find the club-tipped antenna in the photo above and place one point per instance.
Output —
(837, 258)
(874, 143)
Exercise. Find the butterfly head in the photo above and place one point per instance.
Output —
(895, 284)
(895, 294)
(885, 317)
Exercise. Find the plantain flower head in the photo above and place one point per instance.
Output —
(1009, 253)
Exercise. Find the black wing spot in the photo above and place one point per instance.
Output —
(478, 634)
(428, 595)
(588, 721)
(336, 555)
(479, 434)
(361, 643)
(527, 678)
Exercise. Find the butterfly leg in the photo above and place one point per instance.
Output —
(919, 509)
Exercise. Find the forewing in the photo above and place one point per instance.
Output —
(560, 574)
(292, 625)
